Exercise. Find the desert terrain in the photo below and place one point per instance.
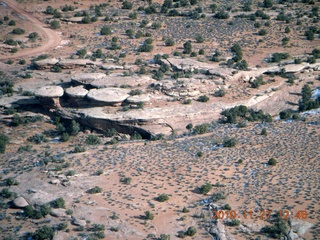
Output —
(147, 119)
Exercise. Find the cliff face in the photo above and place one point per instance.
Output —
(102, 123)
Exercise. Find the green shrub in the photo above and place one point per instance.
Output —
(5, 193)
(43, 232)
(55, 24)
(220, 93)
(226, 207)
(199, 154)
(191, 231)
(285, 114)
(127, 5)
(148, 215)
(78, 149)
(262, 32)
(272, 162)
(205, 188)
(11, 42)
(264, 132)
(37, 138)
(10, 182)
(169, 42)
(11, 23)
(201, 129)
(105, 30)
(6, 85)
(93, 140)
(203, 98)
(58, 203)
(163, 197)
(217, 196)
(185, 210)
(230, 142)
(233, 222)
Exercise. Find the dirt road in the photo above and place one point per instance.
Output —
(50, 39)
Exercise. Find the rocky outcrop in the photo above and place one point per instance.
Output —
(74, 63)
(111, 80)
(87, 78)
(49, 96)
(111, 67)
(181, 64)
(45, 63)
(109, 96)
(20, 202)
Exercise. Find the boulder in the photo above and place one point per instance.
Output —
(138, 98)
(49, 96)
(45, 63)
(87, 78)
(108, 95)
(58, 212)
(79, 222)
(20, 202)
(61, 236)
(77, 92)
(49, 92)
(111, 67)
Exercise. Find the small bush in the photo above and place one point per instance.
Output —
(233, 222)
(272, 162)
(10, 182)
(230, 142)
(205, 188)
(203, 98)
(191, 231)
(163, 197)
(37, 138)
(55, 24)
(148, 215)
(264, 132)
(58, 203)
(43, 232)
(93, 140)
(105, 30)
(78, 149)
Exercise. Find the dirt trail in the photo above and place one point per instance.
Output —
(50, 39)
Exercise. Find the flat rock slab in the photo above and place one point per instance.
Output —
(49, 91)
(138, 98)
(72, 63)
(20, 202)
(79, 222)
(87, 78)
(108, 95)
(77, 92)
(110, 81)
(46, 63)
(58, 212)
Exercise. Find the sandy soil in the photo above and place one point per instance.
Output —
(50, 39)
